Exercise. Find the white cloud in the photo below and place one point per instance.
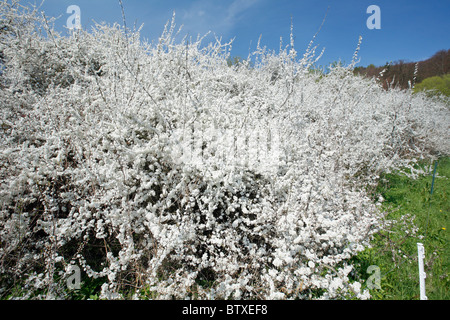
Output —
(219, 17)
(239, 6)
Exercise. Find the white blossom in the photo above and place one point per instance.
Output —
(160, 167)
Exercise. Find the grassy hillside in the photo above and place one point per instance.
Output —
(414, 215)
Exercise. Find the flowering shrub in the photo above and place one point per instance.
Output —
(159, 168)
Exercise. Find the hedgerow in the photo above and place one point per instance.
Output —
(161, 169)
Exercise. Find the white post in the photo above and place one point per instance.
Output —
(422, 274)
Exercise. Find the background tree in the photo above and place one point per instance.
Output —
(234, 61)
(435, 85)
(401, 73)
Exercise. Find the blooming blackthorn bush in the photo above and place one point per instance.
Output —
(160, 169)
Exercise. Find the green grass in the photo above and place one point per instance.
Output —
(395, 252)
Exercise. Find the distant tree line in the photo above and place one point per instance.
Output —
(401, 73)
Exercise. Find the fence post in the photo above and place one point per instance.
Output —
(422, 274)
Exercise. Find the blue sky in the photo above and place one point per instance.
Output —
(411, 30)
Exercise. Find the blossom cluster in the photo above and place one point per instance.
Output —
(163, 171)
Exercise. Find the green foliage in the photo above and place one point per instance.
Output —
(90, 289)
(414, 215)
(335, 64)
(435, 85)
(235, 61)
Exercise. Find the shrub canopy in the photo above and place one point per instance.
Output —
(159, 168)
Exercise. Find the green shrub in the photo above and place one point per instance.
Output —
(435, 85)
